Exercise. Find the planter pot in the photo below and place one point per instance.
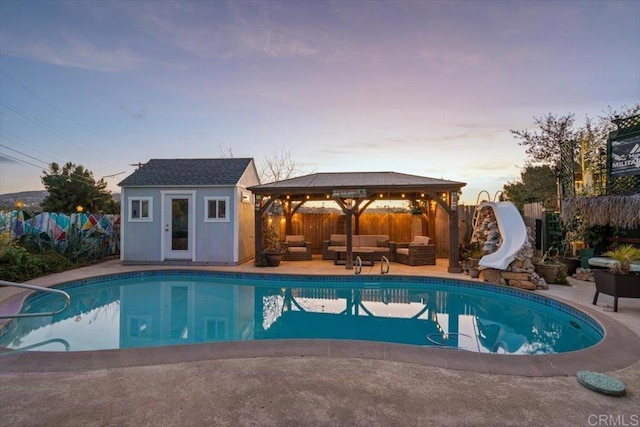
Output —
(616, 285)
(571, 264)
(549, 272)
(273, 259)
(474, 273)
(473, 262)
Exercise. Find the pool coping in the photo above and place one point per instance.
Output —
(612, 353)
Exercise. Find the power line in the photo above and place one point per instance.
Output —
(48, 103)
(23, 142)
(33, 120)
(66, 137)
(59, 110)
(24, 154)
(21, 161)
(79, 177)
(72, 175)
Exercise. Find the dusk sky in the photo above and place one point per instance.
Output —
(427, 88)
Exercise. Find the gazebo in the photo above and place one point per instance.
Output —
(353, 192)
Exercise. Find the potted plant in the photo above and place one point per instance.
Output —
(568, 258)
(619, 280)
(551, 269)
(474, 254)
(469, 257)
(272, 248)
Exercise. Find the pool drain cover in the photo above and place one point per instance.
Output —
(601, 383)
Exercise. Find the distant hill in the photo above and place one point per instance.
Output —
(31, 199)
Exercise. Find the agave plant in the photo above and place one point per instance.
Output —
(623, 255)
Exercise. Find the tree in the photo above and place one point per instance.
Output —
(544, 146)
(279, 165)
(537, 184)
(74, 186)
(558, 144)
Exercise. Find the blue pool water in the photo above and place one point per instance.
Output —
(160, 308)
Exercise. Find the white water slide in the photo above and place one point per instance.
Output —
(513, 232)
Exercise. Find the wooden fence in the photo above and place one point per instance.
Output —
(399, 226)
(545, 226)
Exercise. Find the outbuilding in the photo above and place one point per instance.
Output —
(196, 211)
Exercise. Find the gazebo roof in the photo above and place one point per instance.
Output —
(391, 184)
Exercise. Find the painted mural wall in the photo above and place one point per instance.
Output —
(93, 235)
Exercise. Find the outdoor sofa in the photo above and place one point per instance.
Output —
(379, 243)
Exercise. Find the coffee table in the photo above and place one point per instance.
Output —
(366, 255)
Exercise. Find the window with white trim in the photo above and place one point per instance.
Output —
(141, 209)
(216, 328)
(216, 209)
(139, 327)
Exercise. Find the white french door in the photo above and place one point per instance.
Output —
(178, 226)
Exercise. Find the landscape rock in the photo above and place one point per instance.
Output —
(584, 274)
(523, 284)
(492, 276)
(508, 275)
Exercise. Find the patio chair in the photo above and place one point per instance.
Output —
(418, 252)
(296, 248)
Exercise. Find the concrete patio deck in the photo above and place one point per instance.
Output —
(324, 383)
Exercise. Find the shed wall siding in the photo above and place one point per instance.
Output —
(214, 240)
(246, 215)
(249, 177)
(141, 240)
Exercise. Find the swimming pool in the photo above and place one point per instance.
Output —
(164, 308)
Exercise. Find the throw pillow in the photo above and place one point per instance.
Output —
(421, 240)
(295, 243)
(383, 243)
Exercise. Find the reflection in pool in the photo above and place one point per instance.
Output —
(178, 308)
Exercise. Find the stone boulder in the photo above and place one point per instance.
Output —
(523, 284)
(492, 276)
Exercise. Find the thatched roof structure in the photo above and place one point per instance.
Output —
(615, 211)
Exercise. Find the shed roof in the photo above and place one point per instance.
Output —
(188, 172)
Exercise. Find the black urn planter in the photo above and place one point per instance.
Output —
(273, 258)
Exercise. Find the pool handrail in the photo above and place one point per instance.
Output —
(35, 288)
(384, 261)
(358, 265)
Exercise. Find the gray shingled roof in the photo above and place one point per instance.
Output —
(334, 180)
(188, 172)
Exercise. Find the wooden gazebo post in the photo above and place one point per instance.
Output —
(258, 223)
(454, 255)
(347, 207)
